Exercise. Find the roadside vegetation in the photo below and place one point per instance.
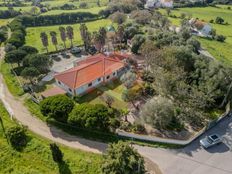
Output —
(36, 156)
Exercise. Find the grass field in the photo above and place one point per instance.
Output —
(93, 10)
(33, 34)
(221, 51)
(36, 157)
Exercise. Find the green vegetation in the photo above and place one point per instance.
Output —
(33, 34)
(113, 89)
(122, 158)
(221, 51)
(36, 157)
(93, 10)
(11, 80)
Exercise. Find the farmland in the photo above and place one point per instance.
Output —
(221, 51)
(33, 34)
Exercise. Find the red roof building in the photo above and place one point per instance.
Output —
(90, 73)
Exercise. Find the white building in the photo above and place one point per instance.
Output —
(159, 3)
(200, 27)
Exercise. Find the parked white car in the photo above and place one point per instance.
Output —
(210, 141)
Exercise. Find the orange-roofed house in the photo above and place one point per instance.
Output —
(91, 72)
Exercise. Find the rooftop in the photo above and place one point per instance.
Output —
(90, 69)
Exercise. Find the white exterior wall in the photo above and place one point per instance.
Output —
(64, 87)
(81, 90)
(206, 30)
(111, 76)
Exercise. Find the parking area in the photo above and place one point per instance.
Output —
(65, 60)
(193, 159)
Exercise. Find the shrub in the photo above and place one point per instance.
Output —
(220, 38)
(57, 107)
(83, 5)
(17, 137)
(211, 21)
(219, 20)
(95, 117)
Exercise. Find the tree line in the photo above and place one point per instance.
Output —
(64, 18)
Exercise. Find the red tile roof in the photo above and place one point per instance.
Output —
(91, 69)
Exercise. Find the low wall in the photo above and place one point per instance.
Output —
(171, 141)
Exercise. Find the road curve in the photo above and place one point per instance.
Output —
(16, 108)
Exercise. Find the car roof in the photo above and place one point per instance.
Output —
(214, 136)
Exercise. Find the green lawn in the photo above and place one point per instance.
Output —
(33, 34)
(36, 157)
(93, 10)
(221, 51)
(91, 3)
(113, 89)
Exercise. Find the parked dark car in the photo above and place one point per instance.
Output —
(75, 50)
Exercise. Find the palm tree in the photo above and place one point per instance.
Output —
(63, 35)
(97, 41)
(54, 39)
(70, 34)
(84, 33)
(44, 39)
(120, 33)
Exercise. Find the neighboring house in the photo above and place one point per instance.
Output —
(91, 72)
(159, 3)
(200, 27)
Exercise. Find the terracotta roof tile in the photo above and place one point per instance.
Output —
(90, 69)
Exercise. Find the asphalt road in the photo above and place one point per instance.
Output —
(193, 159)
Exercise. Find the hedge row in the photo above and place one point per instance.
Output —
(64, 18)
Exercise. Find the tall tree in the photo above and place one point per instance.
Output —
(120, 33)
(130, 95)
(44, 39)
(99, 39)
(54, 39)
(30, 73)
(15, 56)
(121, 158)
(85, 35)
(70, 34)
(63, 35)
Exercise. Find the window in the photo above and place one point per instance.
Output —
(59, 83)
(90, 84)
(114, 74)
(99, 79)
(70, 89)
(107, 77)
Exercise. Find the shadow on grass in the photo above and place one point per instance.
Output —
(64, 168)
(99, 91)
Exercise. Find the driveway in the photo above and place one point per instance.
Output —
(193, 159)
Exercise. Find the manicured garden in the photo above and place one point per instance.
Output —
(33, 34)
(36, 156)
(221, 51)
